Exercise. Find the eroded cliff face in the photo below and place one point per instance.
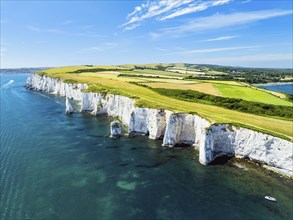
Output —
(138, 120)
(176, 128)
(47, 84)
(244, 143)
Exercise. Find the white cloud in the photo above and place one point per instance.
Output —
(167, 9)
(123, 51)
(111, 44)
(136, 10)
(220, 2)
(221, 38)
(130, 27)
(195, 7)
(247, 1)
(256, 60)
(3, 21)
(154, 36)
(93, 49)
(90, 34)
(2, 51)
(102, 47)
(212, 50)
(218, 21)
(36, 29)
(67, 22)
(83, 33)
(39, 42)
(3, 47)
(187, 10)
(88, 26)
(3, 43)
(161, 49)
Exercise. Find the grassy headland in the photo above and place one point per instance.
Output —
(112, 79)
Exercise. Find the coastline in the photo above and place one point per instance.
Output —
(213, 140)
(281, 88)
(273, 84)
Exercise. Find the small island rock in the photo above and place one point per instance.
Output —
(69, 109)
(115, 129)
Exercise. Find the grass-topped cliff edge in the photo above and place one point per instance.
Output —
(128, 81)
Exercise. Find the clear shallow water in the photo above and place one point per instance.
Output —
(285, 88)
(55, 166)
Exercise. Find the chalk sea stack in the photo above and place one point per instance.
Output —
(115, 129)
(69, 109)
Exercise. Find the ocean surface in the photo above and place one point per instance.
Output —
(278, 87)
(55, 166)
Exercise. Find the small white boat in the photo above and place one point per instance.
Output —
(270, 198)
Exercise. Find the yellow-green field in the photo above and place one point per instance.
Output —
(111, 82)
(222, 88)
(194, 71)
(159, 73)
(249, 94)
(200, 87)
(186, 71)
(226, 82)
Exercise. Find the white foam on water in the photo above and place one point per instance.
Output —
(7, 84)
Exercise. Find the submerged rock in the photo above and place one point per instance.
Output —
(115, 129)
(126, 185)
(69, 109)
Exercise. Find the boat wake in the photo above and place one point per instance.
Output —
(6, 85)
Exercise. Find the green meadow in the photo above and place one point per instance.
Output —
(250, 94)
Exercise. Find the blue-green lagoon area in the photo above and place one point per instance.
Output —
(278, 87)
(57, 166)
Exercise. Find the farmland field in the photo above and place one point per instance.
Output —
(226, 82)
(207, 88)
(250, 94)
(155, 73)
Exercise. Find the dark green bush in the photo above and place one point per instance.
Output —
(229, 103)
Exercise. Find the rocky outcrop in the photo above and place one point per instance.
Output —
(176, 128)
(69, 109)
(115, 129)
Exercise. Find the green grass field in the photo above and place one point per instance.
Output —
(156, 73)
(250, 94)
(111, 83)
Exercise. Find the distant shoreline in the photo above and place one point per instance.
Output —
(273, 84)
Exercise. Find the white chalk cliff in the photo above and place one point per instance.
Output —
(68, 109)
(177, 128)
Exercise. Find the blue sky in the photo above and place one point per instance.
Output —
(252, 33)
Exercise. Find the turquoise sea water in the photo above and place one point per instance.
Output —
(55, 166)
(285, 88)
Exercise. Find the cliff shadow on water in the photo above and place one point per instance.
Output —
(220, 160)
